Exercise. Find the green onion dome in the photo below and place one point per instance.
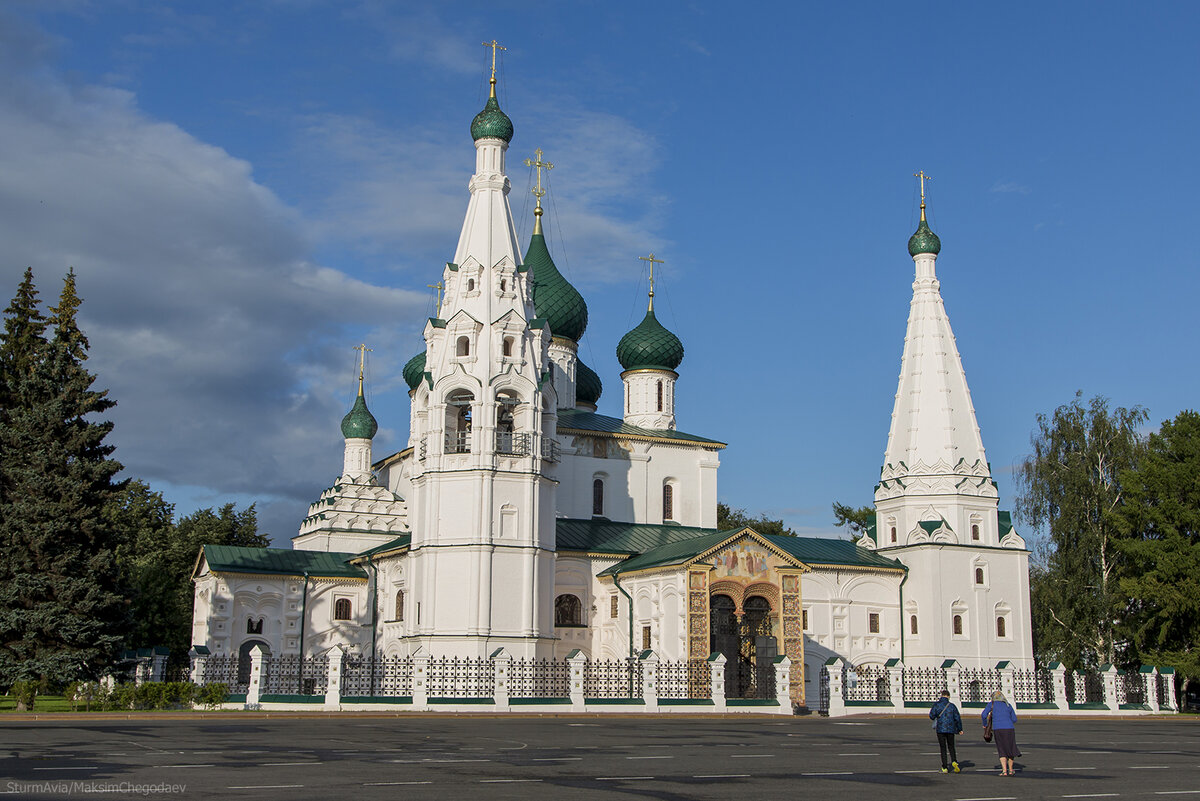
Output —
(924, 240)
(492, 122)
(359, 423)
(554, 299)
(650, 346)
(587, 384)
(413, 370)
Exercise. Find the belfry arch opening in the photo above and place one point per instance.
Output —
(458, 421)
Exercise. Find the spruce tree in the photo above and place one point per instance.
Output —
(62, 612)
(22, 343)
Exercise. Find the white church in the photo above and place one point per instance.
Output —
(519, 518)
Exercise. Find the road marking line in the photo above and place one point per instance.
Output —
(934, 770)
(751, 756)
(506, 781)
(1174, 792)
(181, 766)
(263, 786)
(72, 767)
(557, 759)
(990, 798)
(620, 778)
(1149, 767)
(722, 776)
(390, 784)
(830, 773)
(1091, 795)
(434, 761)
(858, 754)
(1074, 768)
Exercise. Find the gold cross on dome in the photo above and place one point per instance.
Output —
(495, 46)
(363, 350)
(438, 286)
(653, 261)
(537, 162)
(921, 174)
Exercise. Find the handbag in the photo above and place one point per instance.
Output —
(987, 729)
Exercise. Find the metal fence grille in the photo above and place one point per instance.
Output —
(823, 690)
(368, 677)
(612, 678)
(923, 684)
(867, 683)
(225, 670)
(688, 678)
(539, 678)
(978, 684)
(1033, 687)
(1131, 688)
(1163, 688)
(452, 677)
(288, 674)
(1084, 688)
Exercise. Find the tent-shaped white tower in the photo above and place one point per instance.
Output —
(937, 507)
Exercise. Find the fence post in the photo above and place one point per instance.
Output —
(502, 665)
(716, 678)
(895, 669)
(199, 661)
(835, 667)
(1109, 673)
(1167, 674)
(420, 682)
(576, 660)
(254, 691)
(1008, 684)
(333, 678)
(1061, 701)
(1150, 682)
(649, 664)
(158, 664)
(953, 673)
(783, 683)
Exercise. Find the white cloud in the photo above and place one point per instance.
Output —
(1010, 187)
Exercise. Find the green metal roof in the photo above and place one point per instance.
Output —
(554, 299)
(403, 541)
(931, 526)
(924, 240)
(649, 346)
(579, 420)
(822, 551)
(280, 561)
(492, 122)
(359, 423)
(413, 370)
(606, 536)
(673, 553)
(588, 386)
(1004, 523)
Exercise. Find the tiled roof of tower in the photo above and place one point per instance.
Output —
(606, 536)
(280, 561)
(589, 422)
(650, 346)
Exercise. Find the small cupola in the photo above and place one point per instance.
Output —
(649, 355)
(588, 387)
(413, 370)
(358, 428)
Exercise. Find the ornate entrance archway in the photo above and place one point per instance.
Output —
(747, 642)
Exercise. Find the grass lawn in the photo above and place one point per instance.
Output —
(44, 703)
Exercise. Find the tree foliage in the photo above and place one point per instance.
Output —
(1160, 575)
(855, 518)
(62, 610)
(728, 519)
(1071, 487)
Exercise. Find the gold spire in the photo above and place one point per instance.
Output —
(495, 46)
(921, 174)
(438, 286)
(653, 261)
(538, 192)
(363, 350)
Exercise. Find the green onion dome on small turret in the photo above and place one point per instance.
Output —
(924, 240)
(554, 299)
(650, 346)
(413, 370)
(588, 386)
(492, 122)
(359, 423)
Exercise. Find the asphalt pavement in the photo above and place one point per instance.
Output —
(410, 757)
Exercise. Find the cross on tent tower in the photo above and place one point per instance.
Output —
(495, 46)
(438, 287)
(653, 261)
(363, 350)
(538, 191)
(921, 175)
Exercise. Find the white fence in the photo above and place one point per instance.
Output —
(499, 683)
(1051, 690)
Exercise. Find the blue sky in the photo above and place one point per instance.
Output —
(248, 189)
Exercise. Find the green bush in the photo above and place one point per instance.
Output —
(25, 692)
(121, 697)
(212, 695)
(87, 693)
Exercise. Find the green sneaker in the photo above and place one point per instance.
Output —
(955, 766)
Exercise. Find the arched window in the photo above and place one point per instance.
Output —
(503, 285)
(1000, 626)
(975, 531)
(873, 622)
(912, 624)
(506, 439)
(462, 347)
(660, 396)
(470, 284)
(342, 609)
(979, 575)
(399, 604)
(568, 611)
(508, 346)
(958, 625)
(458, 421)
(893, 533)
(254, 626)
(668, 502)
(598, 496)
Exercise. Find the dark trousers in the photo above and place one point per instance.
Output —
(946, 742)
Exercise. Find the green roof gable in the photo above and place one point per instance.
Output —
(403, 541)
(583, 421)
(280, 561)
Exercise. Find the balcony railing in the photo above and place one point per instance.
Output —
(550, 450)
(458, 442)
(512, 443)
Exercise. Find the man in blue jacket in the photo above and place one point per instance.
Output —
(947, 723)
